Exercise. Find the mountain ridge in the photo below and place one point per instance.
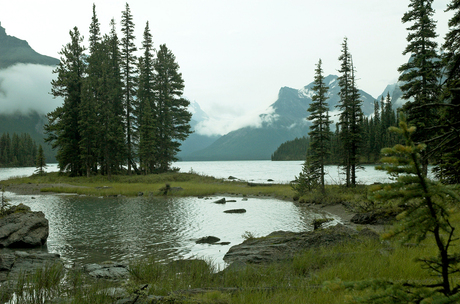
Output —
(284, 120)
(14, 50)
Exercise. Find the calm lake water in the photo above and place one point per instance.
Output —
(89, 229)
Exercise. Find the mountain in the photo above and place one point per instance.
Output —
(14, 50)
(284, 120)
(195, 141)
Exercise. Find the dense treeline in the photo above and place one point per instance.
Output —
(119, 110)
(17, 150)
(375, 136)
(295, 149)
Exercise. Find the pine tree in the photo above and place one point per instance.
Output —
(89, 126)
(113, 148)
(146, 101)
(422, 73)
(320, 134)
(128, 67)
(62, 128)
(171, 109)
(40, 162)
(447, 143)
(350, 116)
(427, 210)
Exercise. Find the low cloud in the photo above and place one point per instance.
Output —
(26, 88)
(224, 124)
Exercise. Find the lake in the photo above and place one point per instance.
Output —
(89, 229)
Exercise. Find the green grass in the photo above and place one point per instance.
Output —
(314, 276)
(191, 184)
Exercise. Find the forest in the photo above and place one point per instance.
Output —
(121, 114)
(17, 150)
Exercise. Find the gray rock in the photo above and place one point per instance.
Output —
(13, 264)
(23, 229)
(109, 271)
(283, 245)
(235, 211)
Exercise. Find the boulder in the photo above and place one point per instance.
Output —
(283, 245)
(235, 211)
(109, 270)
(12, 264)
(23, 228)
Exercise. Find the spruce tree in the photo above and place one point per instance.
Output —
(40, 162)
(62, 128)
(146, 104)
(172, 116)
(420, 76)
(350, 117)
(114, 151)
(92, 96)
(447, 142)
(128, 67)
(320, 134)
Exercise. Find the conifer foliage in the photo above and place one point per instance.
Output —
(320, 135)
(351, 116)
(421, 75)
(118, 111)
(426, 215)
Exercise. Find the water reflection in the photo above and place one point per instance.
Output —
(89, 229)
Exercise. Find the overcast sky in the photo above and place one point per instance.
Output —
(236, 55)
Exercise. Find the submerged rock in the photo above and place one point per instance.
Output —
(235, 211)
(208, 240)
(220, 201)
(21, 228)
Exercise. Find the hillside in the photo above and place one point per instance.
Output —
(14, 51)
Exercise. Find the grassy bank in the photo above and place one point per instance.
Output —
(190, 184)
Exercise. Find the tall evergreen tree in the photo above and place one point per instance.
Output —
(422, 73)
(91, 99)
(447, 143)
(112, 142)
(171, 109)
(128, 67)
(320, 134)
(62, 128)
(350, 116)
(146, 102)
